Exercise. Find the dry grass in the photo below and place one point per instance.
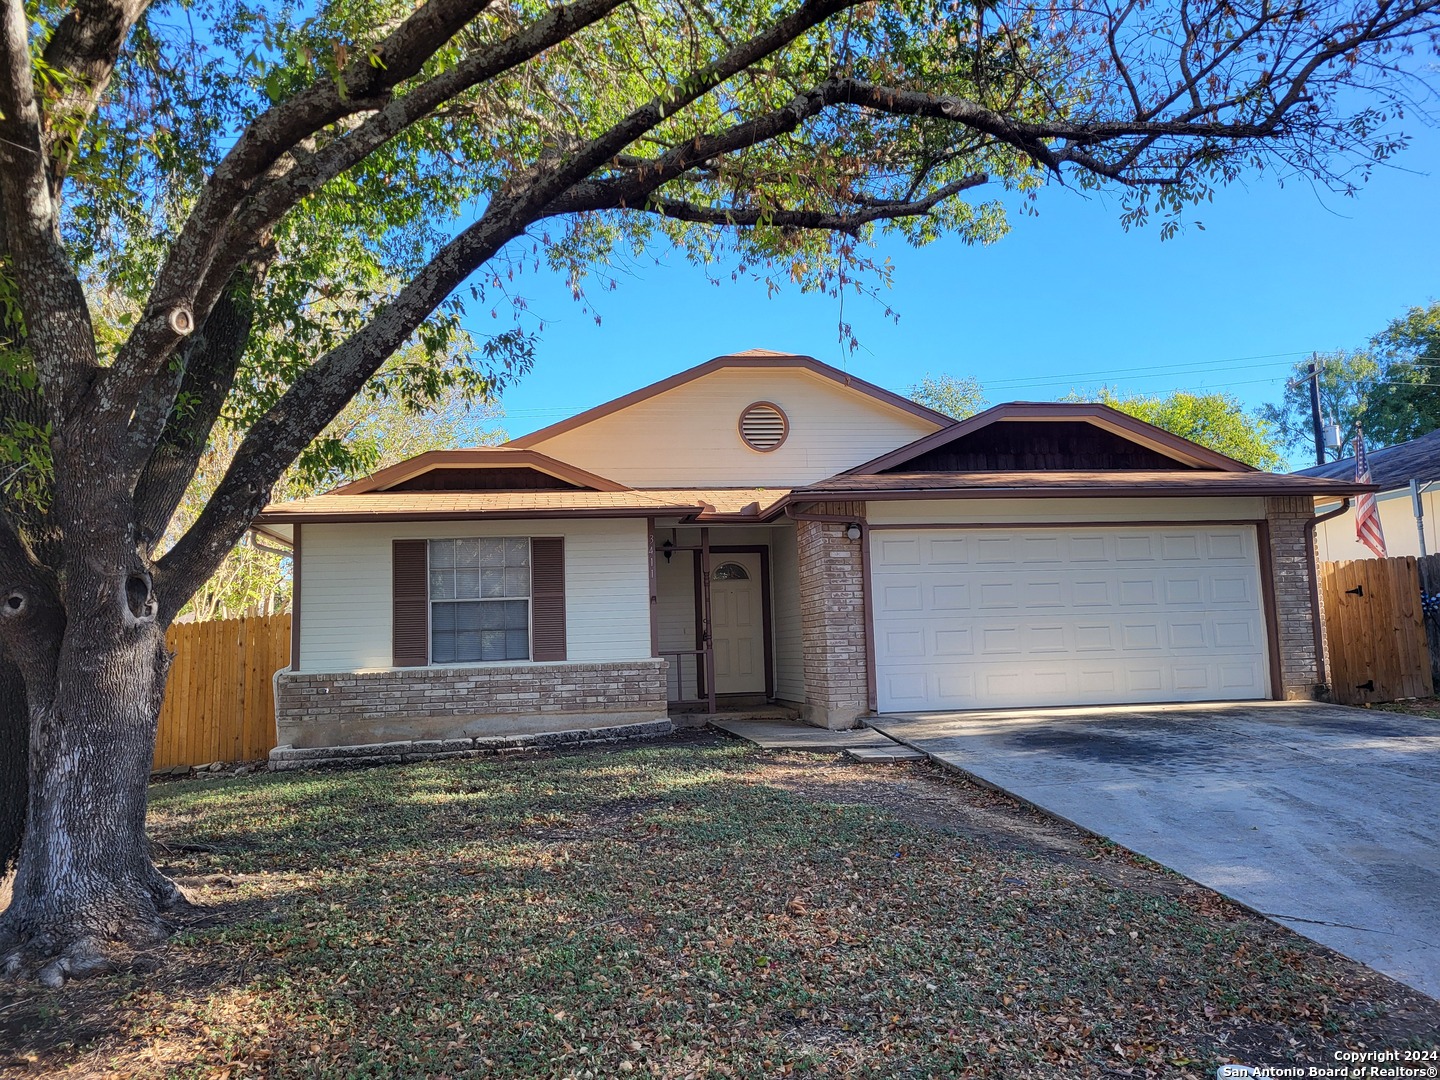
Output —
(688, 908)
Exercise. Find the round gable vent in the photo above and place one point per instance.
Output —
(763, 426)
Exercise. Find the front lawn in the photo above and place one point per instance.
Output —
(689, 908)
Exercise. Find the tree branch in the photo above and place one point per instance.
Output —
(209, 361)
(365, 83)
(849, 222)
(82, 53)
(57, 316)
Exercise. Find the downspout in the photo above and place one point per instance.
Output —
(1315, 586)
(255, 542)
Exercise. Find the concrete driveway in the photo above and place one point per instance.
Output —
(1324, 818)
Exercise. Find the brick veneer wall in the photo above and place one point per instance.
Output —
(832, 619)
(456, 702)
(1292, 567)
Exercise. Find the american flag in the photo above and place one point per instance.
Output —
(1367, 514)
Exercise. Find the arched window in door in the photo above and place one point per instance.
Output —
(730, 572)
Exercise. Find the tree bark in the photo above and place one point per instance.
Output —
(84, 882)
(14, 756)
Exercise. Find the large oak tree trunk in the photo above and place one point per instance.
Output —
(14, 760)
(84, 881)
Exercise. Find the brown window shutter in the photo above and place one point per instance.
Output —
(410, 576)
(547, 597)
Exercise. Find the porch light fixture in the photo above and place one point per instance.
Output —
(668, 550)
(852, 531)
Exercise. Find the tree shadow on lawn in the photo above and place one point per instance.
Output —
(681, 908)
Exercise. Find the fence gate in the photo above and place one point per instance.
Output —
(1375, 630)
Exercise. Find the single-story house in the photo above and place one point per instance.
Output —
(1391, 469)
(767, 528)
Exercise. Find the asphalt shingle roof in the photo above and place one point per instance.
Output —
(1391, 467)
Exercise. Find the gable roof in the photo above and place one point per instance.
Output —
(1391, 467)
(1104, 417)
(757, 359)
(480, 457)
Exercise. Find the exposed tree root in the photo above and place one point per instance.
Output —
(53, 948)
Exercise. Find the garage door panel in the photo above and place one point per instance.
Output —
(1125, 615)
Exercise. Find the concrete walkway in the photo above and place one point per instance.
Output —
(1324, 818)
(861, 743)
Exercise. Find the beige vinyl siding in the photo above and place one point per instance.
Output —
(1335, 539)
(675, 614)
(789, 646)
(1043, 511)
(345, 615)
(689, 436)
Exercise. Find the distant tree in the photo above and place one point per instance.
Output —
(1404, 402)
(1347, 379)
(958, 396)
(1390, 388)
(1218, 421)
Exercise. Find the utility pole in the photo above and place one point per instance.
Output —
(1314, 381)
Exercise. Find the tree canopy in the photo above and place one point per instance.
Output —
(226, 212)
(1389, 389)
(957, 396)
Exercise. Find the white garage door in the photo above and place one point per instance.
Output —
(995, 618)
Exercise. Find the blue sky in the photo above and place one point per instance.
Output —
(1068, 300)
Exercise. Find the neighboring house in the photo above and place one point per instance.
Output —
(765, 527)
(1392, 469)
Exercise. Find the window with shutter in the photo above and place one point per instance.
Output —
(547, 597)
(410, 636)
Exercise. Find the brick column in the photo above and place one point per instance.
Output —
(1292, 570)
(832, 618)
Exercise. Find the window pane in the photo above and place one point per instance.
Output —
(442, 552)
(517, 645)
(442, 584)
(492, 552)
(492, 582)
(467, 582)
(492, 645)
(442, 647)
(442, 617)
(467, 616)
(467, 646)
(517, 551)
(517, 614)
(517, 581)
(467, 552)
(489, 617)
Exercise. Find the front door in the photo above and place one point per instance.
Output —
(737, 623)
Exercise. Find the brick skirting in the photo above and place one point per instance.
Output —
(357, 708)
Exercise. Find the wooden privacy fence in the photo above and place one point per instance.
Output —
(220, 698)
(1376, 646)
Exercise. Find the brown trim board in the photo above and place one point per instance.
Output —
(1267, 594)
(654, 589)
(295, 601)
(872, 680)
